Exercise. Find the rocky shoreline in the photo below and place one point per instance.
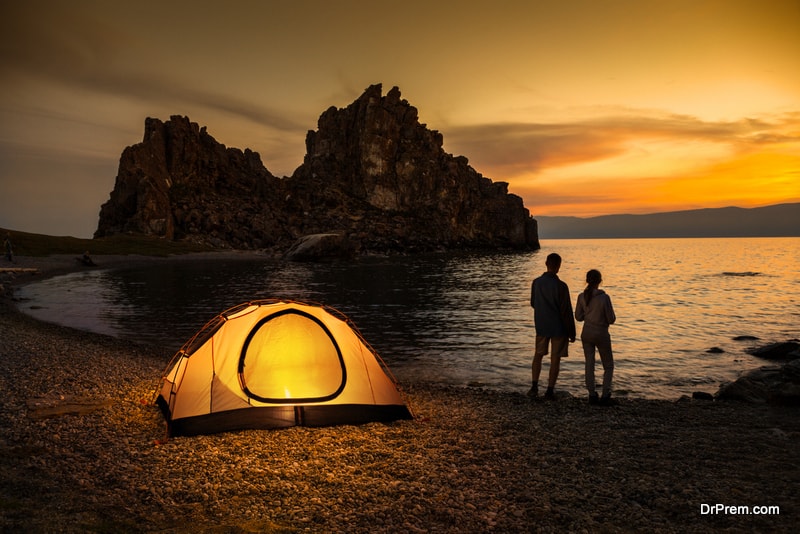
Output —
(82, 449)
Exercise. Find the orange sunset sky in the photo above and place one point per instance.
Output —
(586, 107)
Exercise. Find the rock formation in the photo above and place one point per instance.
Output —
(316, 247)
(180, 183)
(773, 384)
(785, 350)
(372, 174)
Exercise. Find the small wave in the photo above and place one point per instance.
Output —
(743, 273)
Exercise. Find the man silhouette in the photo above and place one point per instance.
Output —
(555, 324)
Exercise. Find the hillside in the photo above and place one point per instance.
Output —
(779, 220)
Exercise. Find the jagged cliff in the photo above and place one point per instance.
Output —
(179, 182)
(372, 173)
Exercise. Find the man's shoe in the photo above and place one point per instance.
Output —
(594, 398)
(533, 392)
(550, 394)
(606, 400)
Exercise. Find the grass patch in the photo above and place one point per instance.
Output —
(27, 244)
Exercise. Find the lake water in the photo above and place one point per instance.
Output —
(465, 319)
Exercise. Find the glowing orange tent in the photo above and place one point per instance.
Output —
(276, 364)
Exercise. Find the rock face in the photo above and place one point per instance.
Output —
(773, 384)
(320, 247)
(786, 350)
(372, 173)
(180, 183)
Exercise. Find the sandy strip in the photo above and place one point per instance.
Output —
(32, 268)
(81, 450)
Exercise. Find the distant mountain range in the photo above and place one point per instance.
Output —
(780, 220)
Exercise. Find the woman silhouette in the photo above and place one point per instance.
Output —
(595, 310)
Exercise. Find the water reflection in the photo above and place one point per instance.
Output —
(465, 318)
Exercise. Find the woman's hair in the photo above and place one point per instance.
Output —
(593, 279)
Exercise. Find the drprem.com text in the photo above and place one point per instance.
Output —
(723, 509)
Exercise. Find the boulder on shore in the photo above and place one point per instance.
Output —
(321, 247)
(772, 384)
(783, 351)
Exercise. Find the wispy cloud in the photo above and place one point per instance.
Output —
(97, 59)
(654, 161)
(509, 149)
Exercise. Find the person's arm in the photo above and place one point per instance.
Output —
(566, 312)
(533, 294)
(580, 311)
(610, 315)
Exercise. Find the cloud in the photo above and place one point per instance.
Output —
(62, 46)
(509, 149)
(530, 147)
(637, 161)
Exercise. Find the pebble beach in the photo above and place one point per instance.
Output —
(83, 449)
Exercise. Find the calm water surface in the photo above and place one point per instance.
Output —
(465, 318)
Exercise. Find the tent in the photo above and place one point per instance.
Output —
(276, 364)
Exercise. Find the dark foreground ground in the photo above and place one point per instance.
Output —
(82, 450)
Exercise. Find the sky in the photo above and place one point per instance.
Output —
(585, 107)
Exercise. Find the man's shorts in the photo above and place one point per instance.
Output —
(560, 346)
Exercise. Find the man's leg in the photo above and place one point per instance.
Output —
(555, 367)
(536, 365)
(536, 368)
(558, 349)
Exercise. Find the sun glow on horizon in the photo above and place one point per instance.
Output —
(747, 181)
(649, 164)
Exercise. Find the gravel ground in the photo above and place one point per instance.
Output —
(82, 449)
